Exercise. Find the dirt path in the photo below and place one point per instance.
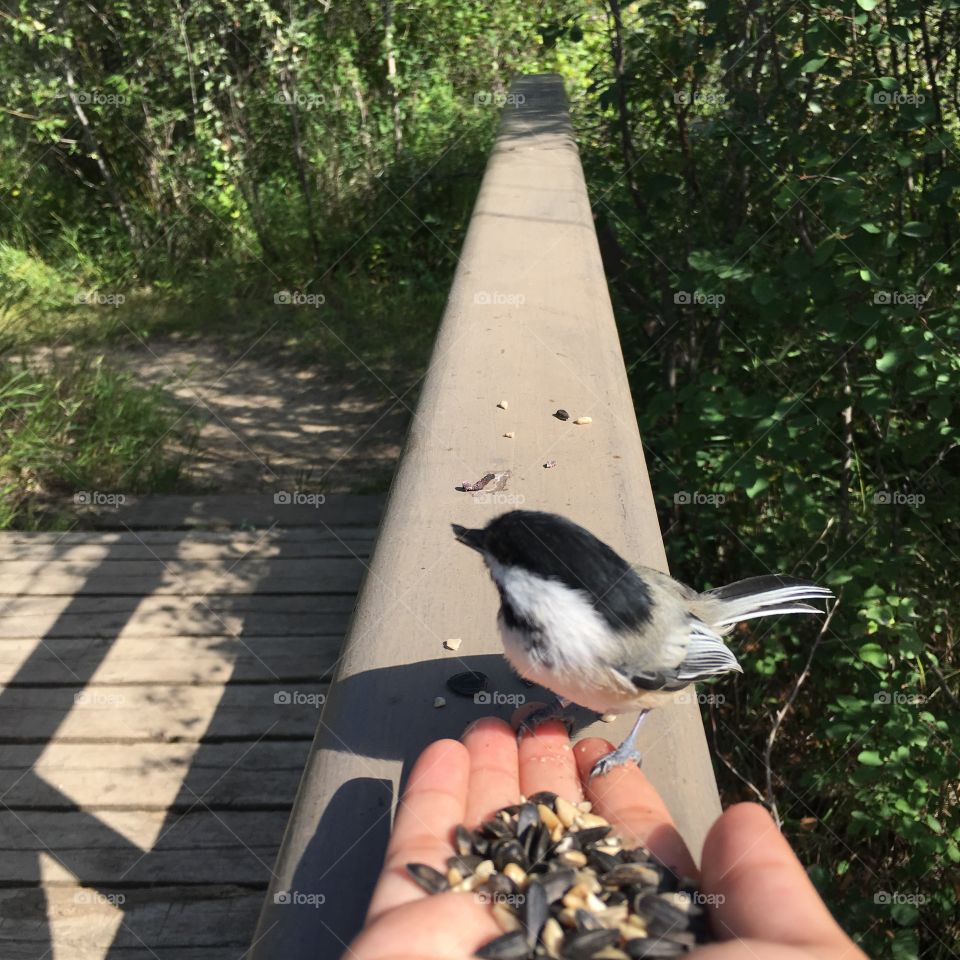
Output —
(263, 426)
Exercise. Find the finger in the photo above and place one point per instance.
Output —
(753, 874)
(626, 798)
(546, 760)
(434, 928)
(494, 773)
(433, 803)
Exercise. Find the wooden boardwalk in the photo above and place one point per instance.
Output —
(160, 690)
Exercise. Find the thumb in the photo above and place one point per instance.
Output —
(760, 888)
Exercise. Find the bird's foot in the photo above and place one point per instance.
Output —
(552, 711)
(624, 754)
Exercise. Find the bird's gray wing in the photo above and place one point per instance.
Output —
(704, 655)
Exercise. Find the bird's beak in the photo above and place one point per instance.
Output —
(472, 538)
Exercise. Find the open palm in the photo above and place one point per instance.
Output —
(765, 904)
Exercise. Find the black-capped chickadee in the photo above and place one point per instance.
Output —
(578, 619)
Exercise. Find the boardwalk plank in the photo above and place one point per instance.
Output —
(161, 712)
(146, 775)
(132, 659)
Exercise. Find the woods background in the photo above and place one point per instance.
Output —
(775, 193)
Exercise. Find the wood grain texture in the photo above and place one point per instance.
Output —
(528, 320)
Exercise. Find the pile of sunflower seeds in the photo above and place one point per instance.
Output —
(563, 885)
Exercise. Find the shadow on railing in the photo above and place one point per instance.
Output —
(528, 320)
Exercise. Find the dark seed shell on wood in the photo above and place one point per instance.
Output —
(562, 415)
(467, 684)
(583, 945)
(640, 948)
(433, 881)
(510, 946)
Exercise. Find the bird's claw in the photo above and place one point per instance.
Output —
(616, 758)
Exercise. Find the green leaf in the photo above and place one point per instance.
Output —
(757, 487)
(870, 758)
(870, 227)
(888, 361)
(813, 64)
(874, 654)
(867, 5)
(916, 229)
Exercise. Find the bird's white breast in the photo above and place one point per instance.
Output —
(575, 651)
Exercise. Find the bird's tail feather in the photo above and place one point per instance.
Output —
(760, 597)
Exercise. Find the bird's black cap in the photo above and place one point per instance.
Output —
(552, 547)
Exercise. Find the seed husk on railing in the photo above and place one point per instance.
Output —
(564, 886)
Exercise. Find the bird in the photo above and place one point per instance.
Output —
(611, 636)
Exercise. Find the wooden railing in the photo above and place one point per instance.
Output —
(528, 321)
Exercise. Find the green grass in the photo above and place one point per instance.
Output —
(79, 427)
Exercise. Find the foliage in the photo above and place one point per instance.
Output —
(74, 427)
(776, 199)
(775, 196)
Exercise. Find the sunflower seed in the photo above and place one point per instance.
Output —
(503, 404)
(466, 863)
(592, 834)
(566, 811)
(509, 946)
(583, 945)
(601, 862)
(557, 883)
(433, 881)
(552, 937)
(535, 911)
(527, 817)
(641, 948)
(453, 643)
(509, 851)
(496, 829)
(546, 797)
(506, 919)
(463, 840)
(624, 874)
(660, 916)
(562, 415)
(586, 920)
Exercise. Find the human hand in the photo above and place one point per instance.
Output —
(764, 907)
